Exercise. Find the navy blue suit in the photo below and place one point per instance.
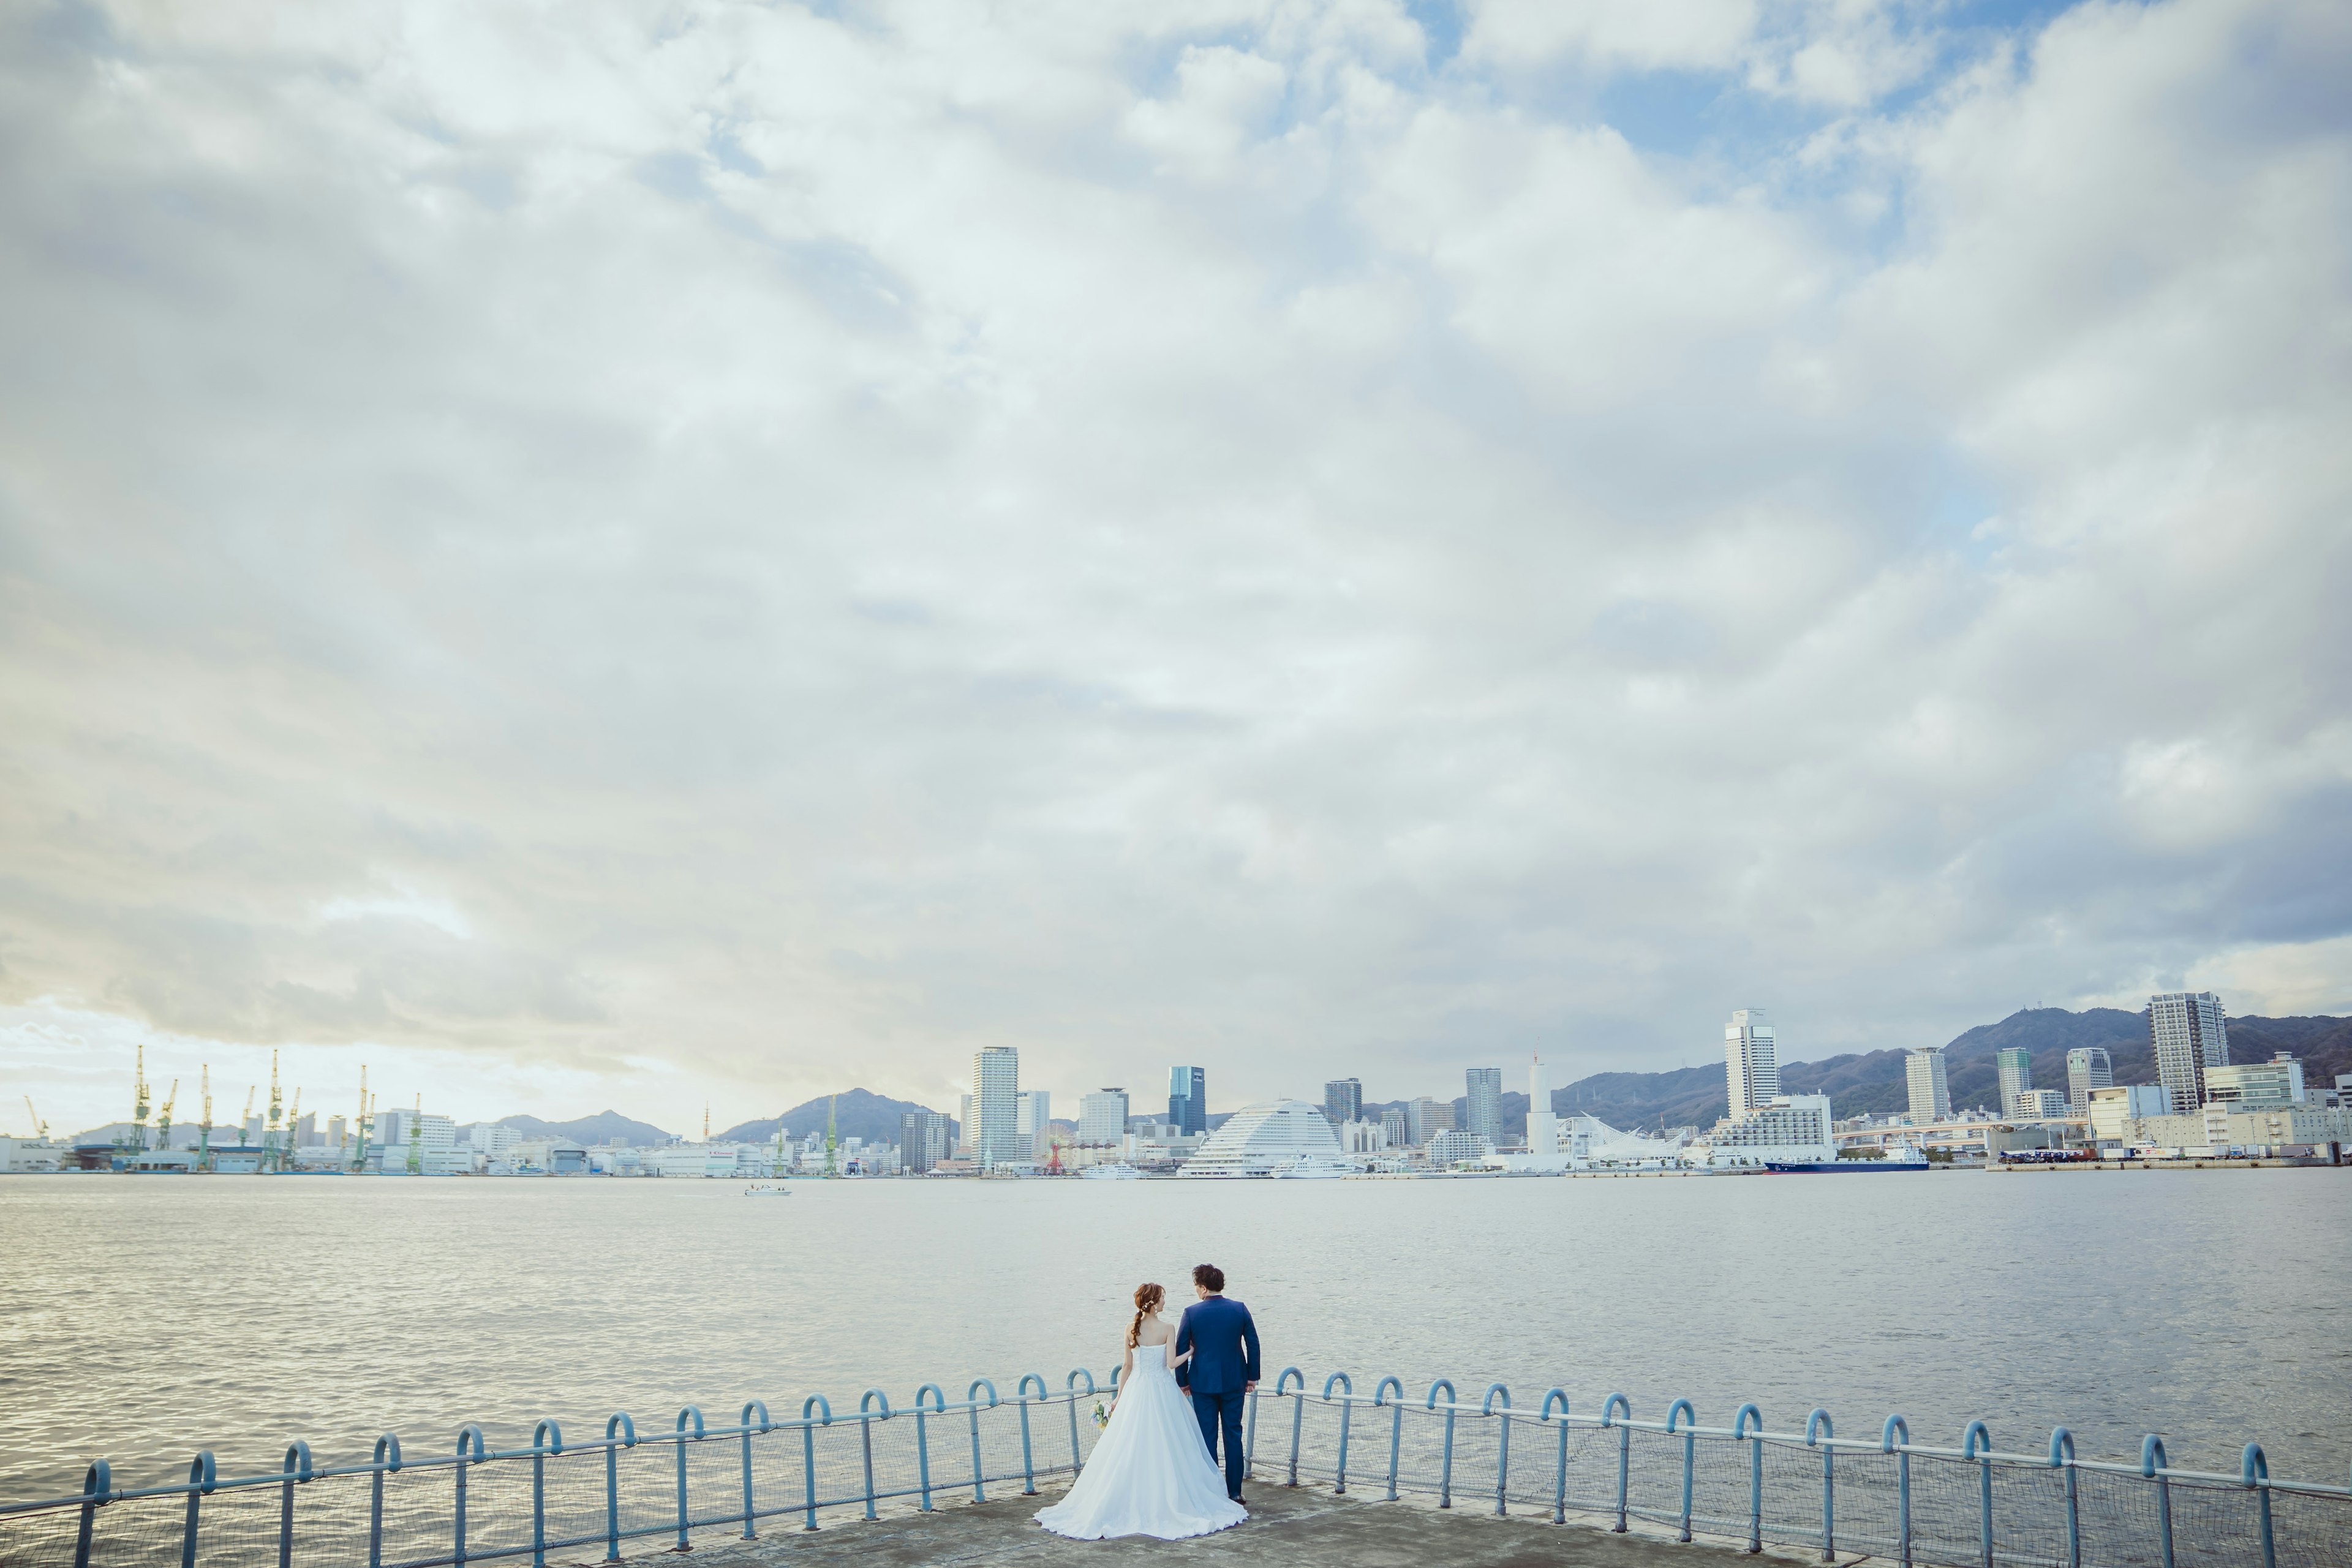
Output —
(1223, 1342)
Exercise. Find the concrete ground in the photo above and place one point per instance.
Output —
(1287, 1528)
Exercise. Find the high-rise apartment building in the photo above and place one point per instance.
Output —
(1931, 1086)
(2188, 1034)
(1343, 1101)
(1187, 1099)
(2015, 1064)
(1034, 1122)
(2087, 1068)
(1396, 1128)
(1543, 1130)
(1751, 1065)
(1102, 1116)
(923, 1141)
(1482, 1105)
(997, 1136)
(966, 1129)
(1425, 1118)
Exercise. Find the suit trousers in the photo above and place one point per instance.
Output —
(1222, 1412)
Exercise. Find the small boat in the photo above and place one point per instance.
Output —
(767, 1190)
(1120, 1172)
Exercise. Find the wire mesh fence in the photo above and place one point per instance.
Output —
(626, 1491)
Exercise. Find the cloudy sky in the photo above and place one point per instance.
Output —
(645, 554)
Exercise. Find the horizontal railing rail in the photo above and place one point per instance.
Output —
(1974, 1506)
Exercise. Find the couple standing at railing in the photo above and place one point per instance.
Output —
(1154, 1469)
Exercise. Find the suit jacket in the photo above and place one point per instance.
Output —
(1223, 1342)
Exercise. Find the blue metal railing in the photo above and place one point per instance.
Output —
(475, 1513)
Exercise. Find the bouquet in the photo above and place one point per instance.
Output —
(1100, 1419)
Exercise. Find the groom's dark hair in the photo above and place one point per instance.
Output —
(1209, 1278)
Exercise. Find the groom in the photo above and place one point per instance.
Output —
(1224, 1368)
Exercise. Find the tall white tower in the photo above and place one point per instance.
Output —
(1542, 1128)
(1750, 1065)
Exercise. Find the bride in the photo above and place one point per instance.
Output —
(1150, 1474)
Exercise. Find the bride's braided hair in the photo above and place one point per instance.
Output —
(1146, 1301)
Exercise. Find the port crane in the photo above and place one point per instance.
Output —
(205, 1128)
(139, 1101)
(164, 1117)
(363, 1124)
(293, 1115)
(416, 1138)
(40, 1127)
(272, 1155)
(245, 1122)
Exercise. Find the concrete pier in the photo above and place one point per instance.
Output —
(1288, 1528)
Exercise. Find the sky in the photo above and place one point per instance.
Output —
(683, 554)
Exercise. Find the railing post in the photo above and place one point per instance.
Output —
(1817, 1427)
(619, 1424)
(97, 1489)
(471, 1448)
(1754, 1471)
(298, 1469)
(1021, 1397)
(1903, 1479)
(201, 1474)
(1396, 1424)
(1249, 1436)
(2061, 1456)
(866, 1438)
(1446, 1475)
(750, 1531)
(1339, 1484)
(1624, 1450)
(922, 1444)
(1503, 1449)
(546, 1438)
(1559, 1482)
(387, 1462)
(2152, 1464)
(689, 1415)
(808, 1447)
(1071, 1383)
(971, 1404)
(2255, 1472)
(1682, 1409)
(1979, 1440)
(1297, 1412)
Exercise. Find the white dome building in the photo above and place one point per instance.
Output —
(1258, 1137)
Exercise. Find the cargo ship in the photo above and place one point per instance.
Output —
(1899, 1157)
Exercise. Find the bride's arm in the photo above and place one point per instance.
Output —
(1126, 1371)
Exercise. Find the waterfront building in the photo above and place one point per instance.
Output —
(545, 1156)
(306, 1129)
(1343, 1100)
(924, 1140)
(253, 1129)
(996, 1138)
(1361, 1137)
(1035, 1123)
(1751, 1062)
(29, 1156)
(1396, 1128)
(964, 1129)
(1482, 1105)
(2040, 1105)
(1454, 1146)
(2113, 1110)
(2087, 1068)
(1187, 1099)
(2243, 1086)
(2016, 1067)
(1257, 1138)
(336, 1133)
(1102, 1116)
(1931, 1086)
(492, 1139)
(2187, 1031)
(1543, 1130)
(1796, 1129)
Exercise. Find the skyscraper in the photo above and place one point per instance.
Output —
(2016, 1064)
(1187, 1099)
(1749, 1063)
(1425, 1118)
(2187, 1030)
(1396, 1128)
(996, 1138)
(2087, 1068)
(1102, 1116)
(1543, 1131)
(923, 1141)
(1482, 1106)
(1034, 1122)
(1931, 1089)
(1343, 1101)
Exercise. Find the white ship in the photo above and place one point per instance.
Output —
(1121, 1172)
(1311, 1168)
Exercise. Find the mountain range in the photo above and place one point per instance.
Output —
(860, 1113)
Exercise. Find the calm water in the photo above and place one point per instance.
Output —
(145, 1318)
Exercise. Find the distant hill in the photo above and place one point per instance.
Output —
(862, 1114)
(604, 1127)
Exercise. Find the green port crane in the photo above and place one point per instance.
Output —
(293, 1115)
(205, 1128)
(245, 1122)
(416, 1138)
(164, 1117)
(272, 1155)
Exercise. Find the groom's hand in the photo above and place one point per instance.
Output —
(1250, 1387)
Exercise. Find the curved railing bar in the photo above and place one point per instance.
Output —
(2061, 1457)
(546, 1438)
(1559, 1477)
(868, 1400)
(1819, 1432)
(1396, 1424)
(2151, 1465)
(1624, 1451)
(472, 1449)
(1503, 1446)
(751, 1514)
(1902, 1451)
(922, 1443)
(808, 1454)
(2254, 1471)
(972, 1402)
(1755, 1472)
(1445, 1476)
(1681, 1407)
(97, 1490)
(1298, 1413)
(1347, 1409)
(865, 1402)
(1070, 1386)
(680, 1438)
(1976, 1443)
(1028, 1457)
(620, 1432)
(203, 1476)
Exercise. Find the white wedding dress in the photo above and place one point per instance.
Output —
(1150, 1473)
